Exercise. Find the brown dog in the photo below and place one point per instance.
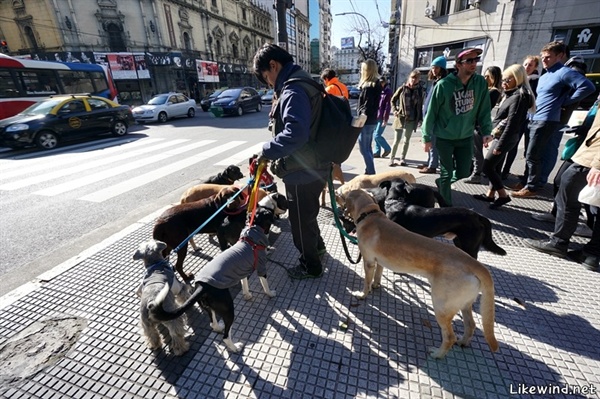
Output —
(206, 190)
(370, 181)
(456, 279)
(336, 174)
(178, 222)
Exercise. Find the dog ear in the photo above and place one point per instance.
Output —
(138, 254)
(159, 246)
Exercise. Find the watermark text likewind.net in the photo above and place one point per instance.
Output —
(551, 389)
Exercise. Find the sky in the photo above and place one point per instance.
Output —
(343, 25)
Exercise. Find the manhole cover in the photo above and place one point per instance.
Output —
(38, 346)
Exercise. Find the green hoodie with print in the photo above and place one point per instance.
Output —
(455, 109)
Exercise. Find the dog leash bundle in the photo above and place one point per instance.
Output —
(343, 233)
(229, 201)
(254, 193)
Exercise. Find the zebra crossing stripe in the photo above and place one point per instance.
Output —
(242, 156)
(133, 183)
(117, 170)
(87, 165)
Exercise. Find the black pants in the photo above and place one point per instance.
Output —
(568, 207)
(303, 209)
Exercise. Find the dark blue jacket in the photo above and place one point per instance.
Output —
(293, 118)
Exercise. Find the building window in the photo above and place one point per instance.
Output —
(186, 41)
(444, 7)
(218, 47)
(115, 40)
(214, 3)
(31, 38)
(234, 50)
(462, 5)
(244, 14)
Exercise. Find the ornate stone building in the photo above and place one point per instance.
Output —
(167, 40)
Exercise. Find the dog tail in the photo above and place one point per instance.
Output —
(159, 313)
(487, 307)
(488, 240)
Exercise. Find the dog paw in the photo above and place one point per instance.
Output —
(464, 341)
(217, 327)
(437, 353)
(248, 296)
(359, 294)
(233, 347)
(271, 294)
(375, 285)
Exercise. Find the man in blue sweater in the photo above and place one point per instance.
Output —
(560, 86)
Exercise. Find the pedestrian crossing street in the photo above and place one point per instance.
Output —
(80, 166)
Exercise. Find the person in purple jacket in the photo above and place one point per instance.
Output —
(383, 114)
(559, 87)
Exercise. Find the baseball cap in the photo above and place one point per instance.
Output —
(467, 51)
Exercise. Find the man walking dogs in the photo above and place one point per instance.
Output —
(296, 108)
(459, 102)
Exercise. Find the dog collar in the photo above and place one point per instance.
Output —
(364, 215)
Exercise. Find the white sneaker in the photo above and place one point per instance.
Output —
(544, 217)
(583, 231)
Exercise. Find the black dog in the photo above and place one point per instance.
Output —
(225, 271)
(471, 229)
(413, 194)
(178, 222)
(229, 176)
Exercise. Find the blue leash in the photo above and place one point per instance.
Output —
(229, 201)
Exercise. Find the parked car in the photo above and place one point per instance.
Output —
(267, 98)
(236, 101)
(165, 106)
(353, 92)
(207, 101)
(63, 118)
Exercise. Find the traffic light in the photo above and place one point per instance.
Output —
(4, 46)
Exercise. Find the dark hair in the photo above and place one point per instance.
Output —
(556, 48)
(443, 74)
(328, 74)
(496, 73)
(267, 53)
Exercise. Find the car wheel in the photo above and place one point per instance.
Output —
(259, 107)
(162, 117)
(240, 110)
(191, 113)
(46, 140)
(119, 129)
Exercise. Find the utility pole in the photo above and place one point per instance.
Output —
(282, 36)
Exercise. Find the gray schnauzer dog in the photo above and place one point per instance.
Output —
(160, 285)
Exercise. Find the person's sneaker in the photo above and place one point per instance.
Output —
(546, 247)
(524, 193)
(474, 179)
(499, 202)
(386, 153)
(403, 163)
(300, 273)
(376, 156)
(544, 217)
(590, 262)
(392, 163)
(583, 230)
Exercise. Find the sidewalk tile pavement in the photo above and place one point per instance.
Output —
(315, 339)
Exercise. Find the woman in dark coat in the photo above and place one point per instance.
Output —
(368, 105)
(518, 100)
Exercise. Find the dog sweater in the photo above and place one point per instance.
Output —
(237, 262)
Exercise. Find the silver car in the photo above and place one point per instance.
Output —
(165, 106)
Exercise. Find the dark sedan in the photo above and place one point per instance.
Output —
(236, 101)
(64, 118)
(207, 101)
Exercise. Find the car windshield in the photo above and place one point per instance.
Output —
(216, 94)
(41, 108)
(230, 93)
(158, 100)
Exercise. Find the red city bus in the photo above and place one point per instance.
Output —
(24, 82)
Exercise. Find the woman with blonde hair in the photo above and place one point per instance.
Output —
(518, 100)
(368, 104)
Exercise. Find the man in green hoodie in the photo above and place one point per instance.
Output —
(459, 102)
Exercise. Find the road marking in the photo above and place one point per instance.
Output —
(242, 156)
(128, 185)
(117, 170)
(87, 166)
(33, 165)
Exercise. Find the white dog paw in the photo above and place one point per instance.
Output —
(248, 296)
(437, 353)
(233, 347)
(217, 327)
(359, 294)
(271, 294)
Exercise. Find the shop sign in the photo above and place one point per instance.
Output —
(208, 71)
(124, 65)
(584, 40)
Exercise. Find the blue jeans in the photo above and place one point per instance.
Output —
(540, 134)
(433, 159)
(550, 156)
(380, 141)
(365, 139)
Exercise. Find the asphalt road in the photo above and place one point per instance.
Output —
(56, 204)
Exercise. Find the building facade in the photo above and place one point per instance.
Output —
(505, 30)
(150, 46)
(345, 62)
(320, 34)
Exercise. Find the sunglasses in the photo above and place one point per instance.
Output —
(507, 80)
(471, 60)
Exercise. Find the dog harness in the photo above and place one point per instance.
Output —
(255, 248)
(159, 273)
(363, 215)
